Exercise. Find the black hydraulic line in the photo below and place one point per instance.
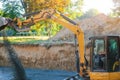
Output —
(69, 20)
(29, 14)
(66, 18)
(77, 56)
(86, 61)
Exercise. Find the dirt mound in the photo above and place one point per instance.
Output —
(97, 25)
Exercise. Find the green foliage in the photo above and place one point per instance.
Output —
(74, 9)
(12, 8)
(46, 28)
(55, 28)
(50, 27)
(1, 12)
(26, 40)
(37, 5)
(116, 10)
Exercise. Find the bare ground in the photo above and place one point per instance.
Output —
(57, 56)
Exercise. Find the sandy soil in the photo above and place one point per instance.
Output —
(57, 56)
(95, 26)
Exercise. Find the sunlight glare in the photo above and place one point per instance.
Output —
(0, 5)
(103, 6)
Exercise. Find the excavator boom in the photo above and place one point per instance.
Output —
(64, 21)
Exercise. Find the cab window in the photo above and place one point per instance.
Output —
(99, 59)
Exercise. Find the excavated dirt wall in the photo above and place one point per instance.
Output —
(56, 56)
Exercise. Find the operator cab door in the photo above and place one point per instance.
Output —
(98, 55)
(113, 54)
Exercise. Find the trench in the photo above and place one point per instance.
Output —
(33, 61)
(24, 58)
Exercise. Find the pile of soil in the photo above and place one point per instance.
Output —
(95, 26)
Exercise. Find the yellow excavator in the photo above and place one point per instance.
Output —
(104, 50)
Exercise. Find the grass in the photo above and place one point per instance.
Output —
(26, 39)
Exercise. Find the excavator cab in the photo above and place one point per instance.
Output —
(105, 58)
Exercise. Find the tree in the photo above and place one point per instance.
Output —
(74, 9)
(45, 27)
(67, 6)
(116, 9)
(37, 5)
(1, 12)
(50, 27)
(89, 13)
(12, 8)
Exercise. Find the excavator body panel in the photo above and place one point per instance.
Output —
(104, 76)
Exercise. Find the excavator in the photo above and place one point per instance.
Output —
(104, 61)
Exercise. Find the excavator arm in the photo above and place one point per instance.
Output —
(61, 19)
(74, 27)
